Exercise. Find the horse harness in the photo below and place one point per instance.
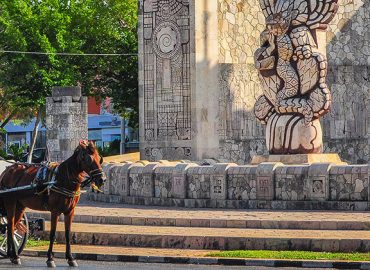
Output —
(46, 181)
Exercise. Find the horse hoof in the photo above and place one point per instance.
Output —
(73, 263)
(51, 264)
(16, 261)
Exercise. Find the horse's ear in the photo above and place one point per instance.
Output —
(91, 143)
(83, 143)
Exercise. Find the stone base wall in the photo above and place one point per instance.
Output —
(227, 185)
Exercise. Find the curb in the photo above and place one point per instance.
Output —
(208, 261)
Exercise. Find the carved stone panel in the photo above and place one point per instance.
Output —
(218, 187)
(165, 84)
(318, 187)
(265, 188)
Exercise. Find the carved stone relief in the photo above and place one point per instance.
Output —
(166, 73)
(293, 74)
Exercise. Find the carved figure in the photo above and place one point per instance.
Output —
(293, 73)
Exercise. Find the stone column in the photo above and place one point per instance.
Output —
(178, 79)
(66, 121)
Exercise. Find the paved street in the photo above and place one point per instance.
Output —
(31, 263)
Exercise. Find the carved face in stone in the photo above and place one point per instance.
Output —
(278, 24)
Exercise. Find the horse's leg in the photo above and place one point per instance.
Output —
(12, 252)
(68, 223)
(19, 227)
(53, 227)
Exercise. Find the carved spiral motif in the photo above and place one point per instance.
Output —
(166, 38)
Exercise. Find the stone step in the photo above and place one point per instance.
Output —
(214, 238)
(183, 217)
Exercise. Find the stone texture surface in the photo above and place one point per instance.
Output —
(66, 122)
(349, 183)
(242, 183)
(177, 113)
(267, 185)
(293, 73)
(236, 133)
(291, 183)
(199, 182)
(163, 182)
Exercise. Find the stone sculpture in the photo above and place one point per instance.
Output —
(293, 74)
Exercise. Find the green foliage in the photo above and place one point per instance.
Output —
(3, 154)
(72, 26)
(16, 151)
(113, 149)
(292, 255)
(34, 243)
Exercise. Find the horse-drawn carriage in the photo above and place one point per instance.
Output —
(22, 231)
(54, 188)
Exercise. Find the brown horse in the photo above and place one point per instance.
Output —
(59, 198)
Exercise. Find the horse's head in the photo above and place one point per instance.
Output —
(90, 162)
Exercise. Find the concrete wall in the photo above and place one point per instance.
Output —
(207, 109)
(268, 185)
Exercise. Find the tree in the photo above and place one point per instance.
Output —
(68, 26)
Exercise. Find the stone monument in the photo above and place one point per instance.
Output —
(293, 74)
(177, 70)
(208, 87)
(198, 83)
(66, 121)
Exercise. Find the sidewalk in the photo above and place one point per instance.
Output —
(102, 213)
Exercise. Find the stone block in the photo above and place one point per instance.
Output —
(349, 183)
(115, 180)
(199, 182)
(66, 91)
(124, 173)
(318, 181)
(136, 181)
(180, 181)
(148, 180)
(219, 181)
(107, 172)
(265, 180)
(290, 183)
(163, 181)
(242, 183)
(298, 159)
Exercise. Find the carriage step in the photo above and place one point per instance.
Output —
(100, 213)
(216, 238)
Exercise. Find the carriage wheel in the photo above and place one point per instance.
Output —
(20, 235)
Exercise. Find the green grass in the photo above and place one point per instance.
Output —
(31, 242)
(292, 255)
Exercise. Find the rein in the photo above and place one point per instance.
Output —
(66, 192)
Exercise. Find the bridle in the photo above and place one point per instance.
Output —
(93, 174)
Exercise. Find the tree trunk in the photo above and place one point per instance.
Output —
(123, 136)
(34, 137)
(8, 118)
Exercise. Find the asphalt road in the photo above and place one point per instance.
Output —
(31, 263)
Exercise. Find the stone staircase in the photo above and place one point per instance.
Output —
(209, 229)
